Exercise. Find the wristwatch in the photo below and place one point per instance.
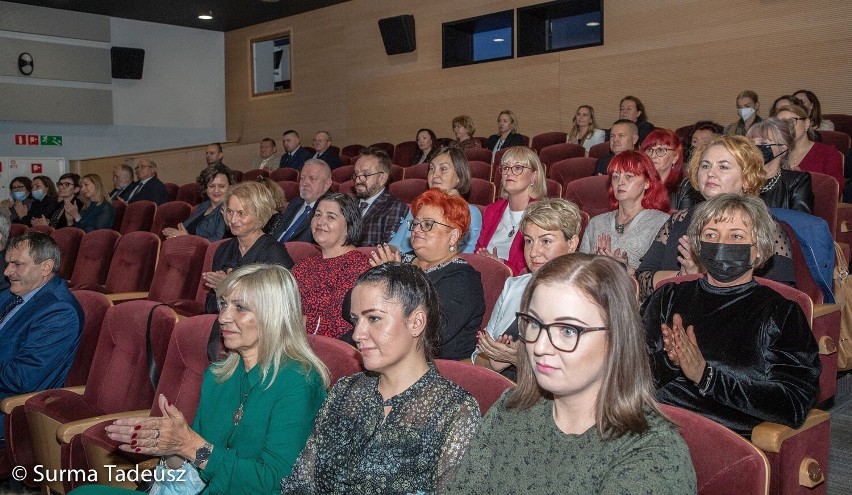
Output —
(202, 454)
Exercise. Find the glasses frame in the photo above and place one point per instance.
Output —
(413, 224)
(546, 327)
(652, 152)
(64, 184)
(365, 176)
(504, 169)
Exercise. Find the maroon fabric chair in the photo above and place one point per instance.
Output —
(482, 140)
(352, 151)
(840, 140)
(44, 229)
(590, 194)
(498, 157)
(842, 122)
(120, 207)
(180, 381)
(545, 139)
(133, 263)
(554, 189)
(190, 193)
(384, 146)
(584, 222)
(254, 174)
(17, 230)
(118, 381)
(93, 258)
(171, 191)
(345, 160)
(342, 173)
(169, 215)
(478, 154)
(347, 187)
(280, 174)
(481, 192)
(408, 189)
(493, 275)
(299, 250)
(396, 173)
(562, 151)
(195, 305)
(237, 175)
(571, 169)
(599, 150)
(340, 358)
(724, 462)
(138, 216)
(480, 170)
(404, 152)
(68, 239)
(419, 171)
(290, 188)
(826, 193)
(486, 386)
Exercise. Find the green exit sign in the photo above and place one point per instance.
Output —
(51, 140)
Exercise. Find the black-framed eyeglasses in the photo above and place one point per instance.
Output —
(355, 177)
(794, 120)
(425, 225)
(660, 152)
(565, 338)
(65, 184)
(516, 169)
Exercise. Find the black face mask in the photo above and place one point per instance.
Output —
(725, 262)
(766, 150)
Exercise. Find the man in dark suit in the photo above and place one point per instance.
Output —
(122, 178)
(623, 136)
(294, 155)
(381, 211)
(322, 143)
(40, 320)
(295, 223)
(147, 186)
(5, 227)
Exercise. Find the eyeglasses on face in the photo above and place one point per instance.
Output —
(139, 167)
(660, 152)
(425, 225)
(516, 169)
(793, 120)
(65, 184)
(364, 176)
(563, 336)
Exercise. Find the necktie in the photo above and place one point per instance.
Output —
(135, 190)
(296, 223)
(363, 206)
(9, 307)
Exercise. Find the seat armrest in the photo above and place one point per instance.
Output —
(825, 309)
(126, 296)
(10, 403)
(768, 437)
(67, 431)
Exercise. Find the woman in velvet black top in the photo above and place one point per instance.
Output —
(725, 346)
(784, 188)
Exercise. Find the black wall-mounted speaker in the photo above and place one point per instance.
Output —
(127, 63)
(398, 34)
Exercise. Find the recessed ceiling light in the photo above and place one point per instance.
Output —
(269, 1)
(593, 24)
(206, 16)
(498, 40)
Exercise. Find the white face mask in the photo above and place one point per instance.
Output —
(746, 112)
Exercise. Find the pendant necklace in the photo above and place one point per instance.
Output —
(513, 223)
(238, 414)
(619, 227)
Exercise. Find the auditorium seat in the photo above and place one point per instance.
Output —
(290, 188)
(299, 250)
(839, 140)
(342, 174)
(481, 192)
(254, 173)
(590, 194)
(571, 169)
(486, 386)
(169, 215)
(44, 229)
(17, 230)
(120, 207)
(285, 173)
(237, 175)
(68, 239)
(195, 305)
(826, 193)
(340, 358)
(493, 275)
(545, 139)
(345, 160)
(478, 154)
(93, 259)
(480, 169)
(599, 150)
(396, 173)
(419, 171)
(498, 157)
(404, 152)
(352, 151)
(347, 187)
(554, 189)
(133, 262)
(562, 151)
(171, 191)
(138, 216)
(407, 190)
(842, 122)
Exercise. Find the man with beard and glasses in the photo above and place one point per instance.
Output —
(381, 211)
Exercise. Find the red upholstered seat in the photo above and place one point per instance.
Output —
(93, 258)
(384, 146)
(340, 358)
(478, 154)
(599, 150)
(498, 157)
(120, 207)
(545, 139)
(290, 188)
(169, 215)
(133, 262)
(408, 189)
(404, 152)
(195, 305)
(826, 193)
(285, 173)
(68, 239)
(254, 174)
(345, 160)
(342, 173)
(189, 193)
(347, 187)
(554, 189)
(484, 385)
(562, 151)
(590, 194)
(493, 275)
(237, 175)
(138, 216)
(396, 173)
(171, 191)
(571, 169)
(419, 171)
(481, 192)
(299, 250)
(44, 229)
(352, 151)
(17, 230)
(480, 170)
(840, 140)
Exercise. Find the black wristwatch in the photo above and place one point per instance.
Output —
(202, 454)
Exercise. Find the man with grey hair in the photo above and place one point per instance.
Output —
(40, 320)
(322, 145)
(5, 226)
(295, 223)
(122, 178)
(147, 186)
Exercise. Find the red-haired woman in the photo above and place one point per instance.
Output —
(642, 205)
(440, 223)
(666, 151)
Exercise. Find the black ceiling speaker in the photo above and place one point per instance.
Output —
(398, 34)
(127, 63)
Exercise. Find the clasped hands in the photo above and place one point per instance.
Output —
(682, 349)
(502, 352)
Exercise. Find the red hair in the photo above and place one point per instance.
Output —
(454, 208)
(656, 197)
(670, 140)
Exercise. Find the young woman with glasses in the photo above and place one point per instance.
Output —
(67, 189)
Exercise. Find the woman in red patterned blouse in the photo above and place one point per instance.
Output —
(325, 278)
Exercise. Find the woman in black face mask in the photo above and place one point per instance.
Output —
(723, 345)
(784, 188)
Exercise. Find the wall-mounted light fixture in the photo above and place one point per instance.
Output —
(206, 16)
(25, 64)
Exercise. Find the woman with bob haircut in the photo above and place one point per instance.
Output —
(642, 206)
(583, 414)
(325, 278)
(551, 227)
(448, 171)
(440, 222)
(67, 190)
(724, 345)
(463, 129)
(808, 155)
(666, 151)
(248, 206)
(522, 181)
(97, 212)
(427, 146)
(399, 427)
(507, 133)
(784, 188)
(257, 405)
(207, 220)
(584, 129)
(723, 165)
(812, 105)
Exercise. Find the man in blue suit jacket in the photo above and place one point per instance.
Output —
(294, 155)
(148, 186)
(40, 320)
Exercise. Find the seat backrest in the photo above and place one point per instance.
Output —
(554, 189)
(493, 275)
(545, 139)
(120, 207)
(724, 461)
(478, 154)
(386, 147)
(17, 230)
(44, 229)
(347, 187)
(498, 157)
(599, 150)
(290, 188)
(556, 152)
(119, 380)
(590, 194)
(484, 385)
(195, 305)
(839, 140)
(254, 174)
(342, 173)
(352, 150)
(396, 173)
(481, 192)
(419, 171)
(169, 215)
(571, 169)
(68, 239)
(480, 170)
(138, 216)
(284, 174)
(171, 191)
(403, 153)
(584, 222)
(189, 193)
(340, 358)
(133, 263)
(94, 258)
(185, 363)
(408, 189)
(826, 192)
(95, 306)
(841, 121)
(178, 269)
(791, 294)
(299, 250)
